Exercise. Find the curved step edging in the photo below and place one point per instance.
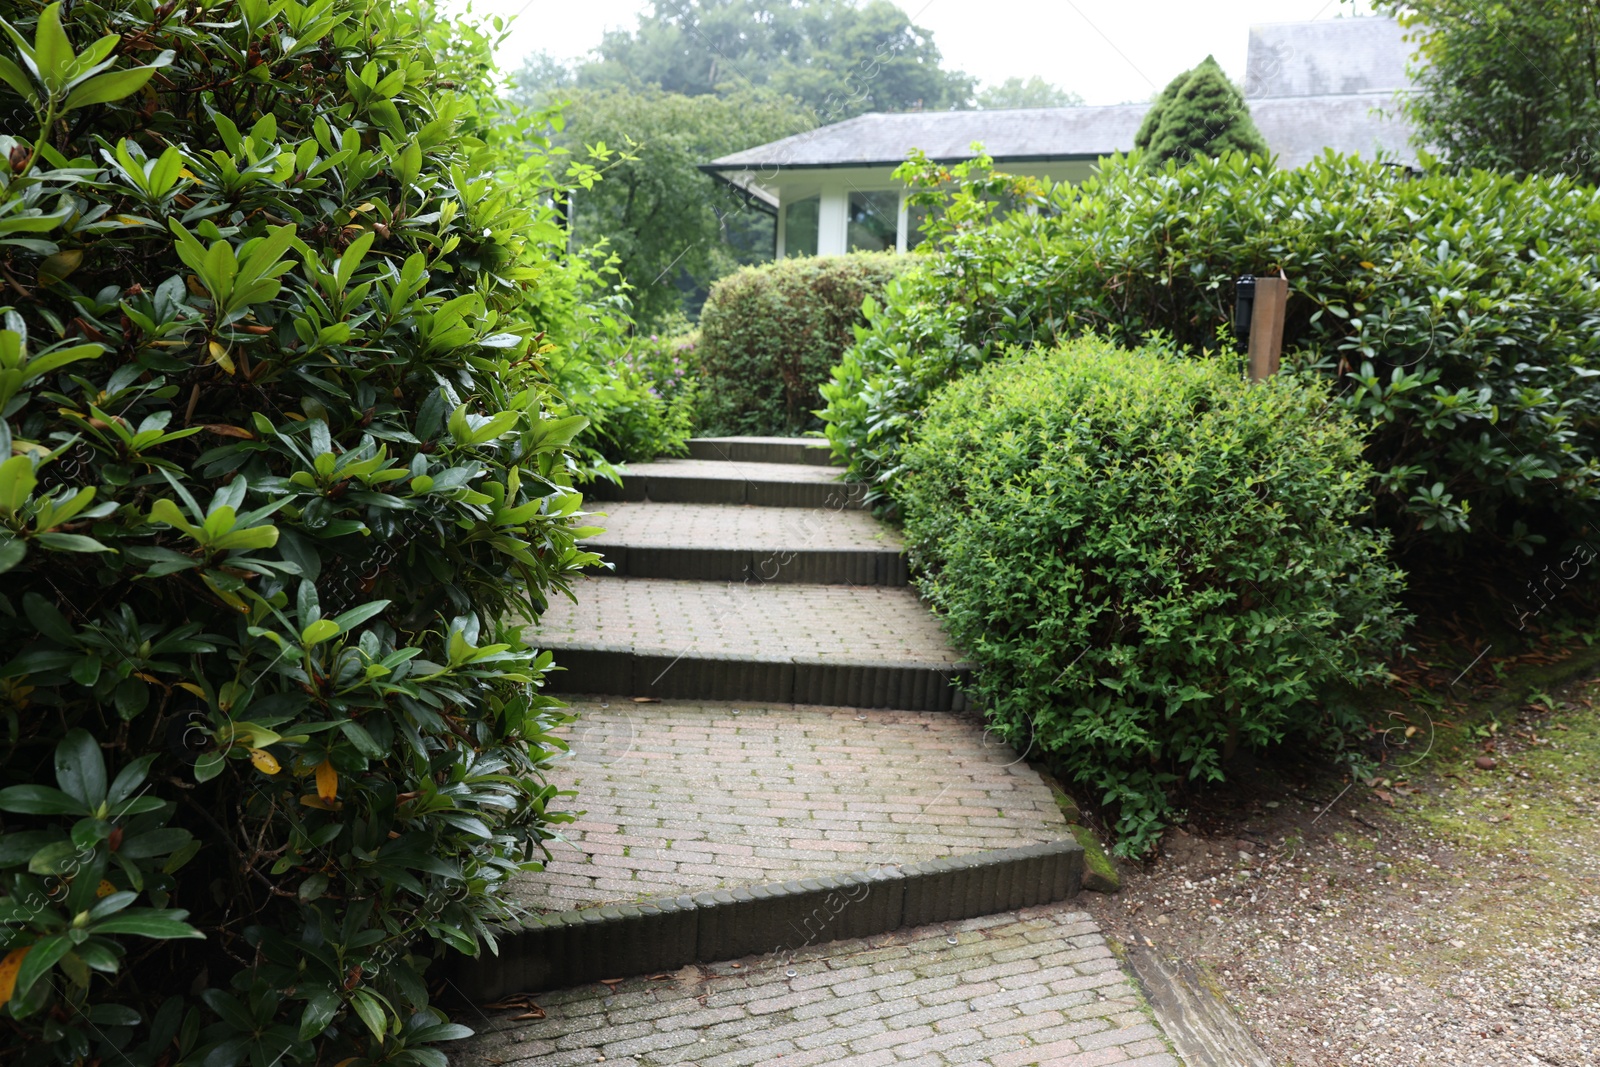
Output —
(866, 684)
(811, 566)
(701, 489)
(808, 450)
(777, 919)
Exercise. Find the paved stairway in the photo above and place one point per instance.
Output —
(781, 774)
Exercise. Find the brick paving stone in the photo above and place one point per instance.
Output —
(740, 526)
(719, 1015)
(647, 829)
(803, 624)
(724, 470)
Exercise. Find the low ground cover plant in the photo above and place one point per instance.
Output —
(769, 336)
(1153, 564)
(1457, 315)
(279, 460)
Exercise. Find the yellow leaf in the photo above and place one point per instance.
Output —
(321, 805)
(265, 762)
(220, 357)
(327, 781)
(8, 971)
(364, 207)
(104, 889)
(223, 430)
(192, 688)
(1367, 265)
(56, 267)
(197, 287)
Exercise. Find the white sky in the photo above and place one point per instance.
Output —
(1107, 51)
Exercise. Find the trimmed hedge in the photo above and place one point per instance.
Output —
(1152, 564)
(771, 334)
(1457, 316)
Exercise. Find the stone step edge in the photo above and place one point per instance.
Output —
(832, 683)
(823, 566)
(813, 451)
(756, 492)
(776, 919)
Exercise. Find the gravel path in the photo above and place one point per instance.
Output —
(1459, 926)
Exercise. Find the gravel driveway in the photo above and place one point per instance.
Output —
(1450, 919)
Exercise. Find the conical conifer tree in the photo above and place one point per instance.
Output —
(1152, 118)
(1205, 117)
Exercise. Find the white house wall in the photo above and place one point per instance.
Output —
(834, 185)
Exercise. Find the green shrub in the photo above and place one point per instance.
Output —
(276, 473)
(770, 334)
(1458, 316)
(1151, 563)
(638, 394)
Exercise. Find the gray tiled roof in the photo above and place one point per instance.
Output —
(1034, 133)
(1310, 86)
(1299, 128)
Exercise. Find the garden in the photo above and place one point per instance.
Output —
(304, 385)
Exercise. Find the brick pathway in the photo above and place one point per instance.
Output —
(1035, 987)
(787, 623)
(740, 526)
(682, 798)
(693, 795)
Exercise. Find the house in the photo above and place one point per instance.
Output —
(1310, 86)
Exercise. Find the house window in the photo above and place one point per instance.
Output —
(874, 219)
(800, 227)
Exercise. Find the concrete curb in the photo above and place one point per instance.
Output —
(699, 489)
(815, 567)
(808, 450)
(873, 684)
(780, 918)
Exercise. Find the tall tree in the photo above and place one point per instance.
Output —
(673, 231)
(1507, 87)
(1031, 92)
(1205, 117)
(838, 58)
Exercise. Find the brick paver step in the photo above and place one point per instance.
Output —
(687, 797)
(763, 450)
(786, 644)
(707, 481)
(1033, 988)
(734, 543)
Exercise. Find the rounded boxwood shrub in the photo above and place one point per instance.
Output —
(1457, 315)
(1152, 564)
(276, 476)
(770, 334)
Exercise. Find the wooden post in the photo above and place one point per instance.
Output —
(1266, 327)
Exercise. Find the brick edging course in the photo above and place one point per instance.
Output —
(867, 684)
(616, 941)
(830, 566)
(808, 450)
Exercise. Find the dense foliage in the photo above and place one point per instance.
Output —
(1152, 564)
(1200, 114)
(639, 398)
(277, 469)
(1026, 92)
(839, 58)
(1513, 88)
(769, 336)
(672, 229)
(1457, 316)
